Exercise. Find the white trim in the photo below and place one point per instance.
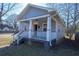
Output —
(61, 20)
(33, 18)
(30, 29)
(49, 30)
(37, 17)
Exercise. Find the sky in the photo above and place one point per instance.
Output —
(17, 9)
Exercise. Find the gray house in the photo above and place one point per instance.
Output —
(40, 23)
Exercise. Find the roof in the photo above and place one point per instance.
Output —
(41, 7)
(49, 10)
(32, 5)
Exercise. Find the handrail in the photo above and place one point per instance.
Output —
(18, 34)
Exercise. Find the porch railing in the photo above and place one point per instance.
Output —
(39, 35)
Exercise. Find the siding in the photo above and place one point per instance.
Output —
(33, 12)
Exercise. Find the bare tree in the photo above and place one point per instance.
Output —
(4, 9)
(70, 13)
(64, 11)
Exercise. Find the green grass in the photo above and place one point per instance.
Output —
(35, 50)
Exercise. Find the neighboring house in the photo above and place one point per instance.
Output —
(41, 24)
(6, 28)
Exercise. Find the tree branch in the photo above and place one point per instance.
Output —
(1, 9)
(8, 9)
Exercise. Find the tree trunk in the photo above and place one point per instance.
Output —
(0, 20)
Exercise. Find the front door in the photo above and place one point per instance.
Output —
(35, 30)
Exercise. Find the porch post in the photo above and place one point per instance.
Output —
(30, 29)
(49, 29)
(48, 34)
(30, 32)
(57, 39)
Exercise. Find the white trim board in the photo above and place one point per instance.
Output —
(33, 18)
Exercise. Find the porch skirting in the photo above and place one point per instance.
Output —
(46, 44)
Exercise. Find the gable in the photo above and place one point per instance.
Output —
(34, 12)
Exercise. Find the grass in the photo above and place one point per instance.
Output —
(34, 49)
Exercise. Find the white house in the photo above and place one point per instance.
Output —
(40, 23)
(6, 29)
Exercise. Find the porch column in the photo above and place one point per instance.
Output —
(57, 29)
(49, 29)
(57, 33)
(30, 29)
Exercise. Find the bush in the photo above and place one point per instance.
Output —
(77, 36)
(53, 42)
(22, 41)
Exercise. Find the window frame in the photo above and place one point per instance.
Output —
(43, 27)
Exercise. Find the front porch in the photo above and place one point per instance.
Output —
(43, 28)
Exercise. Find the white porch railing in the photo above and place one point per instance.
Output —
(38, 35)
(43, 35)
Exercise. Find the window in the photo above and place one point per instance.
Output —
(53, 26)
(44, 27)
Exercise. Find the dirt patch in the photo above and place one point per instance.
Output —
(5, 39)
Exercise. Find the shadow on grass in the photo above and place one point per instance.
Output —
(64, 49)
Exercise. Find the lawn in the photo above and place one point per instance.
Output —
(34, 49)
